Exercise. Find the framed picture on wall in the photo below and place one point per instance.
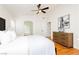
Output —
(66, 19)
(64, 23)
(60, 24)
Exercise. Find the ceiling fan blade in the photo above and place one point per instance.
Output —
(37, 12)
(38, 6)
(43, 11)
(34, 10)
(45, 8)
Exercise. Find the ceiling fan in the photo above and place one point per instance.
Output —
(43, 10)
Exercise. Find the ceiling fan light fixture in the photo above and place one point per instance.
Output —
(41, 10)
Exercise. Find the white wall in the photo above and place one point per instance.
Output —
(26, 14)
(6, 15)
(39, 24)
(73, 10)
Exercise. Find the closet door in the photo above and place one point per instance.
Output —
(2, 24)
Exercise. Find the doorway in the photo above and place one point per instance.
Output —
(28, 28)
(48, 29)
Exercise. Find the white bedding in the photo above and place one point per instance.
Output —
(29, 45)
(6, 37)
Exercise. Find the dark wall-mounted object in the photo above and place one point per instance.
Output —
(2, 24)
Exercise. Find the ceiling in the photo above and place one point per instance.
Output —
(26, 9)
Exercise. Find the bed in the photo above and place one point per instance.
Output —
(28, 45)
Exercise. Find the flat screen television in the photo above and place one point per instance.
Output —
(2, 24)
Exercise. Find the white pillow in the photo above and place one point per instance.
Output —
(7, 37)
(11, 34)
(2, 35)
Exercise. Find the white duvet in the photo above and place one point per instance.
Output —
(29, 45)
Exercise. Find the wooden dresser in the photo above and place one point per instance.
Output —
(65, 39)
